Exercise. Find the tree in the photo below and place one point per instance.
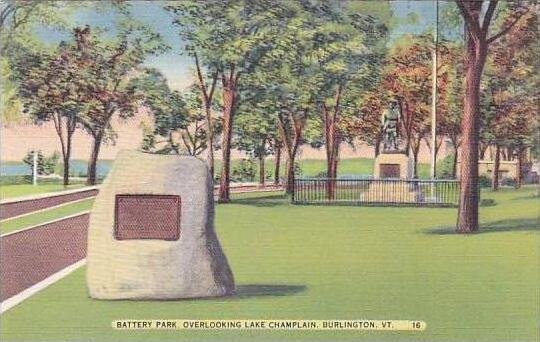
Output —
(369, 127)
(255, 131)
(478, 19)
(198, 133)
(407, 79)
(168, 109)
(45, 165)
(19, 22)
(450, 109)
(53, 91)
(229, 37)
(207, 96)
(108, 68)
(348, 46)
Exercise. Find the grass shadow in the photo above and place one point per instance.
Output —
(263, 201)
(512, 225)
(241, 292)
(532, 196)
(266, 290)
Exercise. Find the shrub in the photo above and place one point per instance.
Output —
(45, 165)
(244, 171)
(322, 174)
(484, 181)
(508, 181)
(444, 167)
(15, 180)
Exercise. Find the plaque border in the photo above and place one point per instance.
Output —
(178, 200)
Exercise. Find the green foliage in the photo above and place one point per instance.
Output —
(45, 165)
(179, 119)
(445, 167)
(484, 181)
(244, 171)
(15, 180)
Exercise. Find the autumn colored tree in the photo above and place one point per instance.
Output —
(511, 89)
(369, 126)
(449, 107)
(53, 91)
(108, 67)
(407, 79)
(478, 17)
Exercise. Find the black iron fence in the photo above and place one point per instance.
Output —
(376, 191)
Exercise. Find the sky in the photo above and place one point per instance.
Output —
(414, 17)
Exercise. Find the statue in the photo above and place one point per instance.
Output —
(390, 118)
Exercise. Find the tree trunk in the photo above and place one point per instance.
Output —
(483, 149)
(289, 187)
(496, 165)
(92, 165)
(261, 170)
(470, 126)
(207, 96)
(66, 171)
(228, 112)
(277, 165)
(519, 175)
(67, 155)
(210, 142)
(415, 161)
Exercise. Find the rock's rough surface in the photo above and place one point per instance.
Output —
(192, 266)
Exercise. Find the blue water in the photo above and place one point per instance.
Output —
(77, 168)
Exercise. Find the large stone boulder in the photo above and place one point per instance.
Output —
(151, 233)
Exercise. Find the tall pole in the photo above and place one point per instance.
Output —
(434, 97)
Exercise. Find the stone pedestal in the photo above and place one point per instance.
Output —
(390, 171)
(393, 165)
(151, 233)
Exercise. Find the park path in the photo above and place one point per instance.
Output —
(30, 256)
(16, 207)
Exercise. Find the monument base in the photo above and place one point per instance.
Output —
(393, 192)
(393, 165)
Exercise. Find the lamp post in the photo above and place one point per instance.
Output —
(35, 167)
(434, 97)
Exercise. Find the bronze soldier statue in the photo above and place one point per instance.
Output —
(390, 118)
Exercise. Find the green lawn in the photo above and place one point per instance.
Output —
(44, 216)
(323, 262)
(314, 167)
(9, 191)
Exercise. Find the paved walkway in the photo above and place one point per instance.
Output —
(29, 256)
(16, 208)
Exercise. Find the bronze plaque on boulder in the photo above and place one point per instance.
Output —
(389, 171)
(147, 217)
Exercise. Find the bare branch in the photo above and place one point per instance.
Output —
(507, 28)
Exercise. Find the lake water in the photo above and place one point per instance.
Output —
(77, 167)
